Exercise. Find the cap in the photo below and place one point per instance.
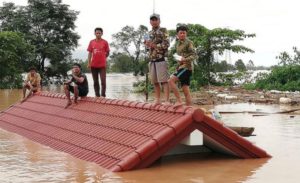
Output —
(154, 15)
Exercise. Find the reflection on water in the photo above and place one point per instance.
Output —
(119, 86)
(25, 161)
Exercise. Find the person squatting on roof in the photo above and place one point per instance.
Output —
(77, 85)
(32, 83)
(186, 54)
(158, 44)
(98, 52)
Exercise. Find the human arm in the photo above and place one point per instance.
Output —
(161, 41)
(27, 80)
(38, 84)
(191, 54)
(78, 79)
(90, 51)
(107, 49)
(165, 43)
(89, 60)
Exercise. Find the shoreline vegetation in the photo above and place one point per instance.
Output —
(50, 51)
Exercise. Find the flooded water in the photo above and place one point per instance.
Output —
(22, 160)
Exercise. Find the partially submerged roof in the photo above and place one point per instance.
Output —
(118, 135)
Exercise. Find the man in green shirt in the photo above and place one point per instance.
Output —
(186, 54)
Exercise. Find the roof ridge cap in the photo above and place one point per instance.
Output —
(126, 103)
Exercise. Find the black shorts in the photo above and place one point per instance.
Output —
(184, 76)
(82, 91)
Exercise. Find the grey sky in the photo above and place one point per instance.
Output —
(275, 22)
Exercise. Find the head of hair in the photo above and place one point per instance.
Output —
(77, 64)
(32, 68)
(181, 28)
(98, 29)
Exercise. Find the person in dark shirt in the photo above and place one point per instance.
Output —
(77, 85)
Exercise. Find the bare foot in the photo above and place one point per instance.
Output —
(23, 100)
(167, 104)
(177, 104)
(156, 103)
(68, 104)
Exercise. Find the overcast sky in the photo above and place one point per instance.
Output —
(275, 22)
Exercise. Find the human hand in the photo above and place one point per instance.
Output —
(153, 45)
(147, 43)
(150, 44)
(183, 60)
(67, 82)
(38, 92)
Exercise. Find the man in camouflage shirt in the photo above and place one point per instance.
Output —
(157, 45)
(185, 56)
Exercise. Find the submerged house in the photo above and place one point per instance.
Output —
(121, 135)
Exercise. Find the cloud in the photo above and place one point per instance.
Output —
(275, 22)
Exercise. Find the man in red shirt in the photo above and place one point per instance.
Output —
(98, 51)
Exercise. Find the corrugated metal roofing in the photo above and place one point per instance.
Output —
(117, 134)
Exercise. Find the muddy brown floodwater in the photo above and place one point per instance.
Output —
(24, 161)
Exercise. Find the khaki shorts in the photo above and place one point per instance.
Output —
(158, 72)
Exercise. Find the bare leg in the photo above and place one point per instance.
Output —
(174, 88)
(30, 93)
(187, 94)
(24, 90)
(167, 93)
(75, 93)
(157, 93)
(67, 92)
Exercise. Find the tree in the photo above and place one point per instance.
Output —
(285, 76)
(240, 66)
(286, 59)
(220, 66)
(121, 63)
(131, 42)
(208, 42)
(48, 25)
(14, 51)
(250, 65)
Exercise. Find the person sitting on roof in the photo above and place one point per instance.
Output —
(77, 85)
(32, 83)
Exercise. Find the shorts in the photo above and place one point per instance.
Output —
(184, 76)
(82, 91)
(158, 72)
(34, 88)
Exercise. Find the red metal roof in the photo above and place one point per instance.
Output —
(119, 135)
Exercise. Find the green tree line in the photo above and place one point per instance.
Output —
(47, 27)
(207, 42)
(285, 76)
(42, 34)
